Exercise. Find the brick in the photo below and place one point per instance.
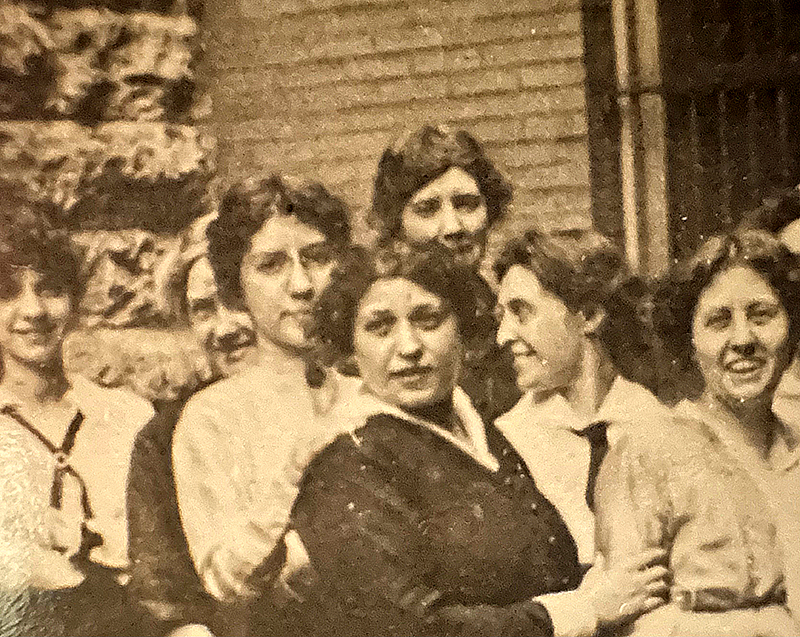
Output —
(537, 154)
(532, 50)
(423, 62)
(483, 81)
(555, 176)
(553, 74)
(568, 124)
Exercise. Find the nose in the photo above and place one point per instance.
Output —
(227, 328)
(30, 304)
(450, 221)
(409, 345)
(504, 331)
(299, 283)
(742, 338)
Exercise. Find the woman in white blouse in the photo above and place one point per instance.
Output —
(65, 446)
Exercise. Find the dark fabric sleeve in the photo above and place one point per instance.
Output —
(366, 539)
(163, 579)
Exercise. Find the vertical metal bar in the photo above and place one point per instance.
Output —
(753, 163)
(782, 106)
(724, 156)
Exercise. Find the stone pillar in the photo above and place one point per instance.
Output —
(100, 113)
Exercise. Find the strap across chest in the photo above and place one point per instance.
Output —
(61, 455)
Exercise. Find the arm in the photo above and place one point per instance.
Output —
(228, 531)
(163, 579)
(366, 540)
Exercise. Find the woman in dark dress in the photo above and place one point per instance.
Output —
(423, 520)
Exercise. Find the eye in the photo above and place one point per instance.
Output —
(379, 326)
(762, 313)
(521, 309)
(427, 207)
(272, 263)
(319, 254)
(51, 289)
(466, 202)
(718, 320)
(203, 309)
(428, 318)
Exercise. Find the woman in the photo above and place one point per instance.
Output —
(273, 247)
(437, 185)
(163, 577)
(569, 314)
(718, 485)
(423, 520)
(62, 519)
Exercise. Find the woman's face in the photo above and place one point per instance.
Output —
(226, 334)
(287, 266)
(407, 344)
(35, 312)
(544, 335)
(740, 335)
(451, 210)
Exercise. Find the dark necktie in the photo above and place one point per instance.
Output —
(598, 442)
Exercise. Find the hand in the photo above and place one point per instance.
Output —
(634, 586)
(225, 575)
(191, 630)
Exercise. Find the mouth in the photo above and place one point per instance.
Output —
(34, 333)
(745, 366)
(412, 374)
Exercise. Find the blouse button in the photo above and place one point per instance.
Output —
(552, 539)
(565, 580)
(507, 480)
(534, 506)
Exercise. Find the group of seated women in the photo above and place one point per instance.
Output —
(415, 446)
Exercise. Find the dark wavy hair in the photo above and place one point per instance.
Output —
(422, 156)
(29, 240)
(432, 268)
(588, 273)
(676, 297)
(247, 205)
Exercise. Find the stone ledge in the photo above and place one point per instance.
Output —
(156, 364)
(94, 64)
(152, 176)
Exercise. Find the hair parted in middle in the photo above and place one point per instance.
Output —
(432, 268)
(420, 157)
(248, 204)
(675, 300)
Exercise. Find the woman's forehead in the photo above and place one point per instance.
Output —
(395, 294)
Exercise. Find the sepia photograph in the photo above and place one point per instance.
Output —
(399, 318)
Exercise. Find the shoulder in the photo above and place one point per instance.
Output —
(116, 408)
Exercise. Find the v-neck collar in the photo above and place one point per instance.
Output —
(476, 446)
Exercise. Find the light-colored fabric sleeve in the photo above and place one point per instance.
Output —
(632, 504)
(571, 612)
(228, 531)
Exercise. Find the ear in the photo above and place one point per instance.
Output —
(592, 319)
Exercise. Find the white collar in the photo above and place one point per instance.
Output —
(476, 446)
(556, 413)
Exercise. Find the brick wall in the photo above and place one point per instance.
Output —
(318, 88)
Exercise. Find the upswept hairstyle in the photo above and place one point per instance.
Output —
(29, 240)
(431, 268)
(422, 156)
(589, 273)
(676, 297)
(247, 205)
